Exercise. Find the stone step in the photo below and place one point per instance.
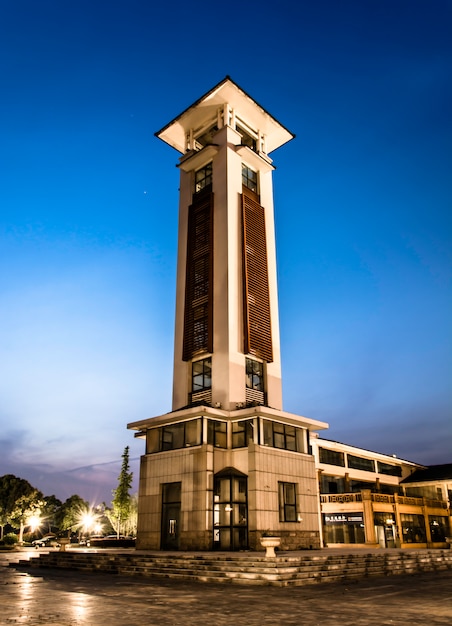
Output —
(249, 569)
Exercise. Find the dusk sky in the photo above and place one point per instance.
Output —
(89, 208)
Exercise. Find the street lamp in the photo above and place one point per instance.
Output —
(34, 522)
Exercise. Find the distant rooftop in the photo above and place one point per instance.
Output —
(434, 472)
(351, 445)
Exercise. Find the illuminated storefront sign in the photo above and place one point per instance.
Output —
(344, 518)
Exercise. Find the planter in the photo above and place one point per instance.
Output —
(270, 543)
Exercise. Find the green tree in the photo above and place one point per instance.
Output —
(12, 489)
(50, 511)
(69, 515)
(121, 503)
(130, 527)
(26, 507)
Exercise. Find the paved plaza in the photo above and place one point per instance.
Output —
(55, 597)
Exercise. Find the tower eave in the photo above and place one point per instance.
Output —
(205, 108)
(239, 414)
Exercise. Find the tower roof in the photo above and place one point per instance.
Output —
(205, 108)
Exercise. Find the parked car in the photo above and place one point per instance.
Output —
(46, 542)
(87, 540)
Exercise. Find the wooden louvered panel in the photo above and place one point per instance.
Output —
(202, 396)
(198, 312)
(256, 300)
(252, 395)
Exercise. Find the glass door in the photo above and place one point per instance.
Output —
(171, 500)
(230, 523)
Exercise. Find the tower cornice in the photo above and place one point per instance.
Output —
(210, 108)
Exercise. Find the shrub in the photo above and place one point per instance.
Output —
(10, 539)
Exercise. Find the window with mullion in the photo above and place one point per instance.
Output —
(287, 502)
(242, 433)
(203, 178)
(331, 457)
(360, 463)
(201, 375)
(217, 433)
(249, 178)
(283, 436)
(254, 375)
(290, 438)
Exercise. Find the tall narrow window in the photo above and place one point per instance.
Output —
(287, 502)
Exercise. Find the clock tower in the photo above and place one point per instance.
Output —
(227, 461)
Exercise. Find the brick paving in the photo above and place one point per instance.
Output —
(63, 598)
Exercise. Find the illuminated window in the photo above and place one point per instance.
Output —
(413, 528)
(438, 527)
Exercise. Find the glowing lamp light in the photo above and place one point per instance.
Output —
(87, 521)
(34, 522)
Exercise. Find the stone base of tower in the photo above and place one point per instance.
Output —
(190, 540)
(218, 480)
(290, 540)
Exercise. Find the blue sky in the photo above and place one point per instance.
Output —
(88, 219)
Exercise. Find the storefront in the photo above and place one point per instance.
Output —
(385, 530)
(343, 528)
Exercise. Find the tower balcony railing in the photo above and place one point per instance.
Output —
(341, 498)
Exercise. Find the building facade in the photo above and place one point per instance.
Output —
(227, 463)
(370, 499)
